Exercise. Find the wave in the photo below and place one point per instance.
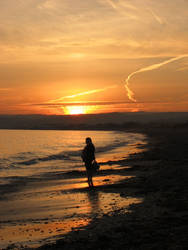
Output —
(111, 147)
(70, 154)
(31, 158)
(47, 158)
(5, 163)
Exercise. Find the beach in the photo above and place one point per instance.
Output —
(147, 209)
(160, 220)
(44, 192)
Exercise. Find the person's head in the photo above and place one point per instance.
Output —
(88, 140)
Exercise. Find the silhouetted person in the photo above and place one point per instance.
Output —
(88, 155)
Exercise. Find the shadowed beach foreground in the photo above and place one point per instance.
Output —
(160, 221)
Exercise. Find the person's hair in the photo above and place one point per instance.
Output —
(88, 139)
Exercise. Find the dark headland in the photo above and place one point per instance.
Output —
(109, 121)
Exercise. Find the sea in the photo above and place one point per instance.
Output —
(43, 189)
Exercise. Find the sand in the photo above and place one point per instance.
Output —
(159, 179)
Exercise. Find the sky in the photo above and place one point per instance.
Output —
(93, 56)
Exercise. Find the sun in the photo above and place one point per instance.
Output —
(78, 110)
(75, 110)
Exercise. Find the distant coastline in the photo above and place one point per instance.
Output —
(107, 121)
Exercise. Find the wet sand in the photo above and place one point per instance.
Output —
(156, 219)
(33, 218)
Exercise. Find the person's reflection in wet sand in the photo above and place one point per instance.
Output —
(93, 199)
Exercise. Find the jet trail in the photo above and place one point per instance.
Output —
(130, 93)
(82, 93)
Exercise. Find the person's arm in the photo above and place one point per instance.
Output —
(83, 155)
(93, 152)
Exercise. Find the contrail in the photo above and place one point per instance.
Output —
(112, 4)
(130, 93)
(156, 17)
(82, 93)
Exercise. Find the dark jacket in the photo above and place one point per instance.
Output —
(88, 153)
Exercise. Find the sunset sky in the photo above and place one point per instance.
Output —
(93, 56)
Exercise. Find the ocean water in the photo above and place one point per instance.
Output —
(43, 188)
(30, 154)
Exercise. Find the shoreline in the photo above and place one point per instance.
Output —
(160, 221)
(41, 205)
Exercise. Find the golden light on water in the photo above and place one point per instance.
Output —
(78, 110)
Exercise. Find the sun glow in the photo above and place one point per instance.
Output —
(78, 110)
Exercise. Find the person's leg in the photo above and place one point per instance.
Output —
(90, 178)
(89, 174)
